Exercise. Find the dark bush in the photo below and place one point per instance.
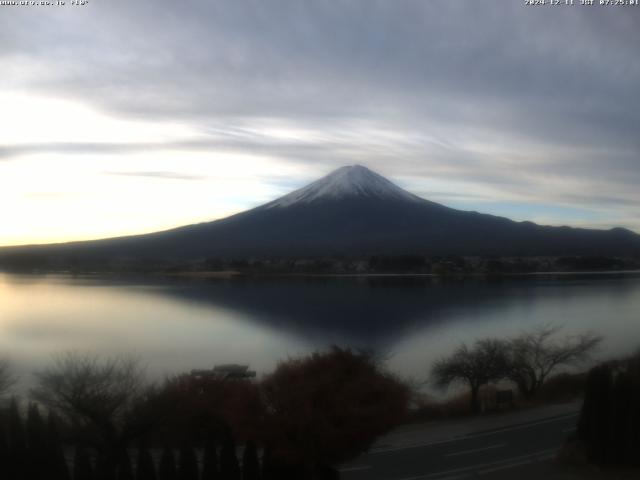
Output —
(609, 423)
(562, 388)
(327, 408)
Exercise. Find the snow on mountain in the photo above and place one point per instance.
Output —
(349, 181)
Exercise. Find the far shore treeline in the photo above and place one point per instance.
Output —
(26, 261)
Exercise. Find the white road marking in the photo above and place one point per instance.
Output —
(542, 458)
(504, 467)
(455, 477)
(507, 463)
(465, 452)
(355, 468)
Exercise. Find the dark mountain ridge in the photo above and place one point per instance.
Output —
(350, 212)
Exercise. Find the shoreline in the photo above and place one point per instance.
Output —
(236, 274)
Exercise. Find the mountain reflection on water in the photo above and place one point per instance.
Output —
(178, 324)
(379, 309)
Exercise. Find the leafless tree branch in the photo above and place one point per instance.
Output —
(90, 391)
(7, 379)
(534, 355)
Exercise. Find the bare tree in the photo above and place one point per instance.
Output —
(534, 355)
(94, 394)
(7, 380)
(484, 362)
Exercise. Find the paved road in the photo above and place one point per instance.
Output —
(519, 451)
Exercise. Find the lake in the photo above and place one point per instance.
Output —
(176, 325)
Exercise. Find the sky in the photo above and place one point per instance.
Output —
(120, 117)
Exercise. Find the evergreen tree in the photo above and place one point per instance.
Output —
(4, 451)
(145, 469)
(17, 467)
(210, 469)
(167, 470)
(56, 461)
(82, 469)
(36, 444)
(188, 463)
(229, 468)
(250, 463)
(328, 473)
(274, 468)
(124, 471)
(267, 469)
(105, 467)
(36, 432)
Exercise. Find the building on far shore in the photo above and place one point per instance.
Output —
(229, 371)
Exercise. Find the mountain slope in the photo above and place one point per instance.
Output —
(352, 211)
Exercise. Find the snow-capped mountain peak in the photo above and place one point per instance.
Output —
(349, 181)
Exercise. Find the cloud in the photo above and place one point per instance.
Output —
(162, 175)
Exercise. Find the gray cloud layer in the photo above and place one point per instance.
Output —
(159, 174)
(539, 102)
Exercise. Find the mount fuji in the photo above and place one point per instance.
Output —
(354, 212)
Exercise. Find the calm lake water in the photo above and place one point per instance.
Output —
(177, 325)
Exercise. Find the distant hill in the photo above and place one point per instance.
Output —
(352, 212)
